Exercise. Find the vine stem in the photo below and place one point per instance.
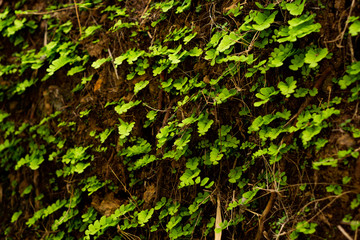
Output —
(77, 16)
(263, 216)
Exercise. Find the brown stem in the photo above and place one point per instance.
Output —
(263, 216)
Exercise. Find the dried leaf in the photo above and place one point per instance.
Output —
(98, 84)
(218, 219)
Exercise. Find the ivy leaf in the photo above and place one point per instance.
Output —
(313, 56)
(288, 87)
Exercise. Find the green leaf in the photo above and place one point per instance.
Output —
(140, 85)
(215, 156)
(188, 38)
(288, 87)
(187, 121)
(187, 179)
(18, 24)
(223, 95)
(3, 115)
(124, 107)
(354, 28)
(22, 86)
(151, 116)
(174, 220)
(306, 228)
(235, 174)
(142, 162)
(166, 6)
(141, 147)
(131, 55)
(119, 24)
(315, 55)
(185, 5)
(144, 216)
(263, 20)
(90, 31)
(301, 92)
(100, 62)
(296, 8)
(193, 163)
(195, 52)
(354, 68)
(204, 124)
(15, 216)
(309, 133)
(125, 128)
(105, 134)
(265, 94)
(75, 70)
(228, 41)
(298, 28)
(270, 6)
(297, 62)
(80, 167)
(59, 63)
(27, 190)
